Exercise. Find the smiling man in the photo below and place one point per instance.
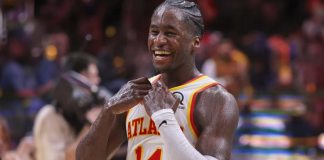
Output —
(179, 114)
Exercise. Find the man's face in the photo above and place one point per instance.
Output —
(170, 40)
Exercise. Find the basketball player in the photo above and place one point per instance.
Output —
(179, 114)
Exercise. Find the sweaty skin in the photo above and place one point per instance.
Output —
(112, 118)
(160, 98)
(216, 111)
(129, 95)
(216, 114)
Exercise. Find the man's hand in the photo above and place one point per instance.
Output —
(129, 95)
(160, 98)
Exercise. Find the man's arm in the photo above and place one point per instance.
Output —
(95, 144)
(217, 110)
(217, 115)
(108, 132)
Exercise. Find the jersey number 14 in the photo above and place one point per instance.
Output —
(155, 156)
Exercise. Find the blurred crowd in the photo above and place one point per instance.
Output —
(268, 53)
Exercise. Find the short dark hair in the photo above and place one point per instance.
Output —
(191, 13)
(79, 61)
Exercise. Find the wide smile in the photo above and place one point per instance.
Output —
(162, 53)
(162, 57)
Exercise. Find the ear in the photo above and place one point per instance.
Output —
(196, 42)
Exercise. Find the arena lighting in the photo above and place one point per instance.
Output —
(51, 52)
(266, 141)
(86, 40)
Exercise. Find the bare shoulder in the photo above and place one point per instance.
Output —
(216, 116)
(215, 104)
(218, 92)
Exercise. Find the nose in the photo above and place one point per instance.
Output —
(160, 39)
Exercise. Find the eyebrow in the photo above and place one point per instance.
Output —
(167, 27)
(170, 27)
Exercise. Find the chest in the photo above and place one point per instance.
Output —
(139, 123)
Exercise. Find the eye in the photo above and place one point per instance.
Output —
(170, 34)
(154, 32)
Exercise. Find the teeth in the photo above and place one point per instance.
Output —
(162, 53)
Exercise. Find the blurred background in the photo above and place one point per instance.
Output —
(268, 53)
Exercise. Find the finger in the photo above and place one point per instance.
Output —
(155, 84)
(158, 77)
(159, 90)
(159, 84)
(175, 105)
(163, 85)
(141, 80)
(139, 97)
(142, 86)
(145, 99)
(142, 92)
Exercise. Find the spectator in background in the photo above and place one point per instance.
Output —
(229, 66)
(281, 62)
(260, 72)
(210, 42)
(49, 68)
(311, 60)
(77, 96)
(20, 101)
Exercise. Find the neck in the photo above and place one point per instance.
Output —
(176, 78)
